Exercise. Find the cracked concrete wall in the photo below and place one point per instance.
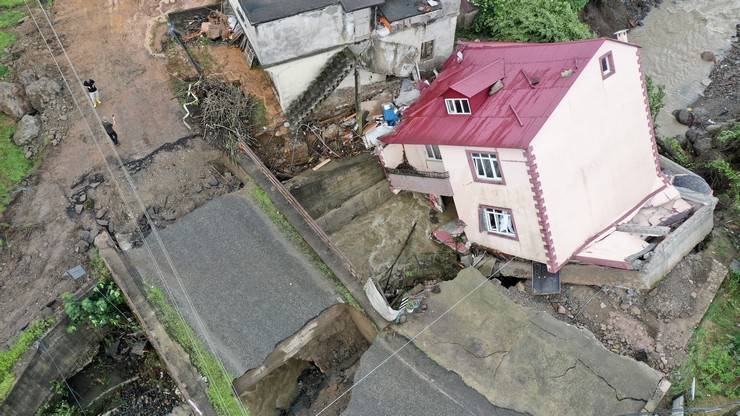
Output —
(526, 360)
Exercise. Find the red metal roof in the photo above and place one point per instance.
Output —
(510, 118)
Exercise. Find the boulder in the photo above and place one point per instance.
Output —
(27, 76)
(694, 134)
(27, 130)
(13, 100)
(702, 145)
(42, 92)
(684, 116)
(708, 56)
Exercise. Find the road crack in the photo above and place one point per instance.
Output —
(473, 353)
(616, 392)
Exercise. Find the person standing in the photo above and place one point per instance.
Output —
(109, 129)
(92, 92)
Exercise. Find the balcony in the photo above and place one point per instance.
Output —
(426, 182)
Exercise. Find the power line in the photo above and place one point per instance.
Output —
(135, 193)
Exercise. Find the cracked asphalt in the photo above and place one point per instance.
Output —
(527, 361)
(247, 282)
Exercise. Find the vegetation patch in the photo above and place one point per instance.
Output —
(6, 39)
(714, 350)
(12, 355)
(531, 20)
(13, 164)
(656, 94)
(269, 208)
(730, 135)
(724, 179)
(7, 4)
(11, 18)
(219, 391)
(676, 152)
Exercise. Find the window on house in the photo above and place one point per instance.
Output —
(433, 152)
(427, 50)
(499, 221)
(607, 65)
(486, 166)
(457, 106)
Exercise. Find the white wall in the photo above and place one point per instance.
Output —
(595, 153)
(515, 194)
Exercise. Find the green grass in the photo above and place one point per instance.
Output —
(4, 72)
(677, 152)
(264, 201)
(10, 357)
(7, 4)
(219, 390)
(729, 135)
(6, 39)
(714, 350)
(13, 164)
(10, 18)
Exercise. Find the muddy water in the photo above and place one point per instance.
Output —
(672, 37)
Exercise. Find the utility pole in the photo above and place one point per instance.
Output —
(358, 111)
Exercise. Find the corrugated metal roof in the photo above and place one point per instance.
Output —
(511, 117)
(261, 11)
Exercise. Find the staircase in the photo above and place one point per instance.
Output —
(331, 75)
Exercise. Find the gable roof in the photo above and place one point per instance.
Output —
(510, 118)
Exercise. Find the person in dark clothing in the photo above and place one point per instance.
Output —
(92, 92)
(109, 129)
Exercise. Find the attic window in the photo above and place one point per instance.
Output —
(606, 63)
(457, 106)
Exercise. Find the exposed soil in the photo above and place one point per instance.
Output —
(608, 16)
(41, 237)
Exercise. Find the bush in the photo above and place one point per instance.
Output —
(102, 307)
(531, 20)
(726, 180)
(10, 357)
(656, 94)
(729, 135)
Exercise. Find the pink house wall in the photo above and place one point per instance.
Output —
(515, 194)
(595, 156)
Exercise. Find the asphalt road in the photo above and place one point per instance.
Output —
(247, 281)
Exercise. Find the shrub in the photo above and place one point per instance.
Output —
(725, 179)
(656, 94)
(531, 20)
(729, 135)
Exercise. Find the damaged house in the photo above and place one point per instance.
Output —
(548, 154)
(309, 47)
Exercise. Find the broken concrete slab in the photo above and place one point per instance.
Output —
(410, 383)
(527, 360)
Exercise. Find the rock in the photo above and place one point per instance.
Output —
(81, 246)
(82, 197)
(124, 241)
(27, 76)
(101, 213)
(624, 306)
(331, 131)
(168, 214)
(86, 236)
(716, 128)
(520, 287)
(694, 134)
(562, 310)
(684, 116)
(79, 208)
(29, 154)
(102, 222)
(602, 305)
(13, 100)
(213, 182)
(42, 92)
(27, 130)
(708, 56)
(693, 295)
(702, 145)
(635, 311)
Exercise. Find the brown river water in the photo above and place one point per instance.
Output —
(673, 36)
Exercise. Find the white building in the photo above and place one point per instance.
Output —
(298, 42)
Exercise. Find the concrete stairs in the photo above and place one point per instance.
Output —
(331, 75)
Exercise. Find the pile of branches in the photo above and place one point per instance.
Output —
(227, 115)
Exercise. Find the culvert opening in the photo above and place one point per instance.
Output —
(309, 370)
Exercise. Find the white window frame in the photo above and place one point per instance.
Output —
(483, 160)
(499, 221)
(608, 70)
(432, 151)
(457, 105)
(607, 60)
